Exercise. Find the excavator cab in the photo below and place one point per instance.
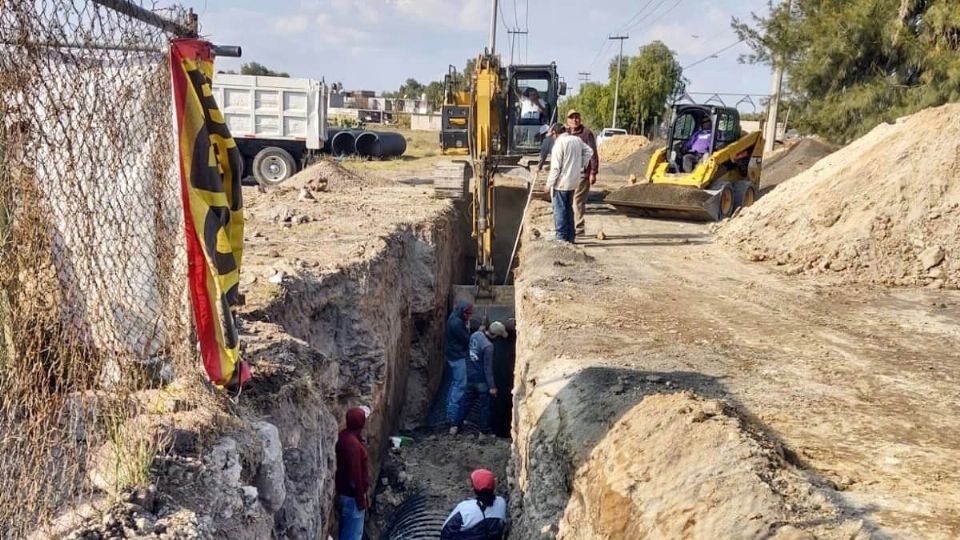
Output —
(533, 97)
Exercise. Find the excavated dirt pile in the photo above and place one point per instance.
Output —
(636, 163)
(792, 161)
(621, 147)
(885, 209)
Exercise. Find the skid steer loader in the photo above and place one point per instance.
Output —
(721, 180)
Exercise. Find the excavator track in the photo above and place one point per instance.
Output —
(451, 180)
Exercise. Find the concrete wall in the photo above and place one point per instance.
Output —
(426, 122)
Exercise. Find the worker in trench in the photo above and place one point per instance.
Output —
(481, 386)
(483, 517)
(352, 476)
(457, 350)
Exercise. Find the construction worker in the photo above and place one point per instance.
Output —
(457, 350)
(568, 159)
(483, 517)
(352, 477)
(546, 147)
(575, 127)
(481, 386)
(698, 145)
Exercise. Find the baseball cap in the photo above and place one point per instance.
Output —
(572, 112)
(498, 329)
(483, 480)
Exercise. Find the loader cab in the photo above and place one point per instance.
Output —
(687, 121)
(525, 132)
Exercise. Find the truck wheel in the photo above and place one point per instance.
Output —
(272, 166)
(744, 194)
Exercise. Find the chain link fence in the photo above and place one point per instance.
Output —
(93, 303)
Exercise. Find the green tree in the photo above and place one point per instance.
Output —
(254, 68)
(648, 80)
(852, 64)
(434, 92)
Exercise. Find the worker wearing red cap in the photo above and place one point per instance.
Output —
(483, 517)
(352, 478)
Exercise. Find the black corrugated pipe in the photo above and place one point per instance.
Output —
(381, 144)
(344, 143)
(328, 145)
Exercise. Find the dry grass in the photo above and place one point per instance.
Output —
(423, 151)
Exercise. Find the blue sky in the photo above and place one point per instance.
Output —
(377, 44)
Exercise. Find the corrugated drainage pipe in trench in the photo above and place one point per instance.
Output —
(414, 520)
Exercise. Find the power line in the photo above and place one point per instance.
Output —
(662, 15)
(713, 55)
(503, 20)
(526, 26)
(513, 33)
(516, 19)
(637, 14)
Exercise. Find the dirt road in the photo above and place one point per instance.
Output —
(856, 388)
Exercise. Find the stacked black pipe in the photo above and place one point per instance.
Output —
(366, 144)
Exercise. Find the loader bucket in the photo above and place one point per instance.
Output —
(672, 201)
(499, 306)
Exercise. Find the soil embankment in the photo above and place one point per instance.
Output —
(666, 389)
(346, 281)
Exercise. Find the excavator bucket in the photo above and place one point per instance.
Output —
(495, 305)
(672, 201)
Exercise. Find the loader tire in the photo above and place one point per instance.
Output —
(727, 198)
(744, 194)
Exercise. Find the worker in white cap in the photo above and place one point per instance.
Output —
(481, 385)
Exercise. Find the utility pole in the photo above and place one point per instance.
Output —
(493, 28)
(773, 108)
(616, 93)
(584, 77)
(512, 33)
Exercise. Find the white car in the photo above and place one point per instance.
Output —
(608, 133)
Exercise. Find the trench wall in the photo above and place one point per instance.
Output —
(368, 334)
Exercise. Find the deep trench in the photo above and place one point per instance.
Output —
(419, 516)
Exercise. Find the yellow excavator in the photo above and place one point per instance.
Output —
(482, 121)
(713, 186)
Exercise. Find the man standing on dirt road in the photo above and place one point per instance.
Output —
(481, 385)
(457, 349)
(567, 161)
(352, 476)
(575, 127)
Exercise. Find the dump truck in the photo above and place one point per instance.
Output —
(278, 123)
(707, 182)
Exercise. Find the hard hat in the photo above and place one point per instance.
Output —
(498, 329)
(483, 480)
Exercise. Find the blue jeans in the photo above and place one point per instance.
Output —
(351, 519)
(476, 392)
(458, 383)
(563, 215)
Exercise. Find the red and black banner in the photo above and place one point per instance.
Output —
(210, 172)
